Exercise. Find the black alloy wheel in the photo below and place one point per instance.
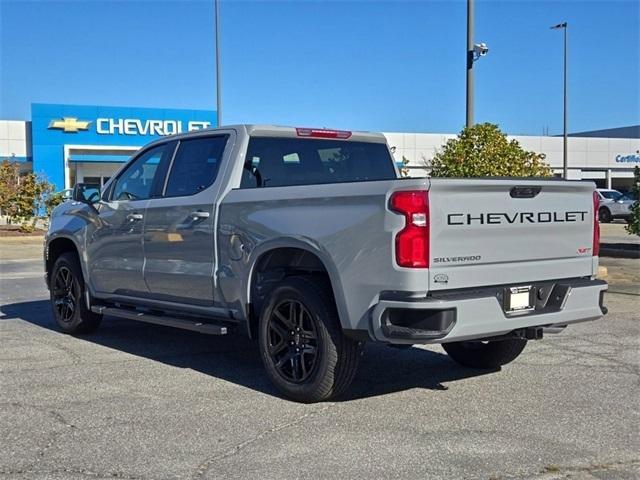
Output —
(69, 299)
(293, 341)
(65, 294)
(303, 348)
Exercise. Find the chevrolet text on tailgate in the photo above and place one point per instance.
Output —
(309, 242)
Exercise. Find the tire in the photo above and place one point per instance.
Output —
(604, 215)
(317, 362)
(67, 293)
(485, 354)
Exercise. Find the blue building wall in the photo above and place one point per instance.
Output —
(115, 126)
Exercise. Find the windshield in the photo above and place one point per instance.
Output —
(629, 196)
(611, 194)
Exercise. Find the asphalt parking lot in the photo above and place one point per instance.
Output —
(137, 401)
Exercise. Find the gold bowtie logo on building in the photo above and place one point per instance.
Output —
(69, 124)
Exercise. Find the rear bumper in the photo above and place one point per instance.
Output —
(479, 313)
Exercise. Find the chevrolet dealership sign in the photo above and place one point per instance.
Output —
(98, 125)
(128, 126)
(69, 124)
(92, 129)
(135, 126)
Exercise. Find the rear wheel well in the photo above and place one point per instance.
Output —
(56, 248)
(271, 268)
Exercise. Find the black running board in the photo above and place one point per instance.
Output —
(185, 324)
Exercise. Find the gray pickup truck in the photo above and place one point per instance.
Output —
(308, 241)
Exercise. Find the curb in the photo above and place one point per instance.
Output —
(22, 238)
(620, 250)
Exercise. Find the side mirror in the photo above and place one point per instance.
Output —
(86, 193)
(66, 194)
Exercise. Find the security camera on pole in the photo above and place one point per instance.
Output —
(474, 52)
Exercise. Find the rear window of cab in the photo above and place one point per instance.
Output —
(279, 162)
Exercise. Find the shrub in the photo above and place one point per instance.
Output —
(484, 151)
(633, 227)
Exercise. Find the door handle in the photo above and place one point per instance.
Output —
(134, 217)
(199, 214)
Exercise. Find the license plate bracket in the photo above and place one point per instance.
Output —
(519, 299)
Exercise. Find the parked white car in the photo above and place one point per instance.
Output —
(608, 199)
(621, 208)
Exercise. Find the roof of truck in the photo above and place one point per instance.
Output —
(261, 130)
(294, 131)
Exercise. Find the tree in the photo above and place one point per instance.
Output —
(51, 199)
(484, 151)
(404, 169)
(9, 185)
(25, 202)
(23, 196)
(633, 227)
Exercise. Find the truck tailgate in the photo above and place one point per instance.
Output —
(491, 232)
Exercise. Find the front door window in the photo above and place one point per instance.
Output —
(143, 177)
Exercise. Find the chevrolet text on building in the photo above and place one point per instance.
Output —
(127, 126)
(134, 126)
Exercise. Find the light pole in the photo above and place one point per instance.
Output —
(564, 128)
(469, 119)
(474, 52)
(218, 83)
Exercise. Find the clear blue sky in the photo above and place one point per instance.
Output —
(390, 66)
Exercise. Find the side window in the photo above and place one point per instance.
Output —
(137, 181)
(195, 165)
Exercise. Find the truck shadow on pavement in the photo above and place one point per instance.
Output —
(236, 359)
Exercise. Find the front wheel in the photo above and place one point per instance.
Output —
(489, 354)
(604, 215)
(305, 353)
(67, 290)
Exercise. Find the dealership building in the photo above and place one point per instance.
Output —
(79, 143)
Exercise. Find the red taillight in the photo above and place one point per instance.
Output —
(322, 133)
(595, 249)
(412, 242)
